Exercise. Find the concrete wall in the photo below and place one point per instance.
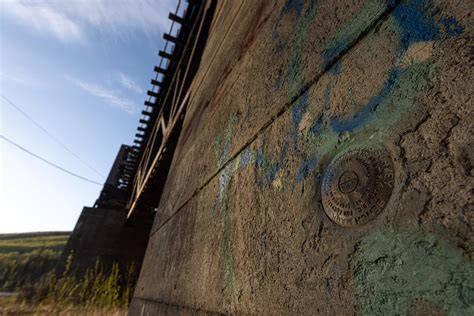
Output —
(285, 91)
(107, 236)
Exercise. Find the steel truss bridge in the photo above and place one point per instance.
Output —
(141, 170)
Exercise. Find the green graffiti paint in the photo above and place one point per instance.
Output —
(384, 113)
(222, 144)
(227, 258)
(378, 120)
(394, 269)
(266, 168)
(222, 147)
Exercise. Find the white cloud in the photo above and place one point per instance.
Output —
(128, 83)
(69, 21)
(15, 79)
(44, 19)
(110, 97)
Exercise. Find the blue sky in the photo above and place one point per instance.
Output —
(80, 68)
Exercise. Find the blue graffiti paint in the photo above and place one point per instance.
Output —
(318, 124)
(309, 164)
(325, 181)
(278, 83)
(331, 53)
(306, 167)
(290, 6)
(212, 210)
(414, 26)
(269, 168)
(293, 5)
(451, 27)
(299, 109)
(417, 26)
(260, 164)
(336, 68)
(341, 125)
(246, 158)
(349, 33)
(295, 74)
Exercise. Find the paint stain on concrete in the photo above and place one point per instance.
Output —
(417, 53)
(311, 138)
(350, 31)
(409, 75)
(295, 66)
(227, 261)
(416, 24)
(226, 256)
(394, 269)
(222, 144)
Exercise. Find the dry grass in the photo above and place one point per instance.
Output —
(10, 306)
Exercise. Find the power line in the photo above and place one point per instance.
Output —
(47, 161)
(51, 135)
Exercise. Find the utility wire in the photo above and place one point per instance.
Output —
(47, 161)
(51, 135)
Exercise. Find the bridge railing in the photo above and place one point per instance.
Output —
(166, 100)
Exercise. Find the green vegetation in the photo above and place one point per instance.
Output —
(98, 288)
(27, 266)
(26, 259)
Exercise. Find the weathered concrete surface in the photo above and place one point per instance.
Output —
(106, 235)
(241, 228)
(260, 54)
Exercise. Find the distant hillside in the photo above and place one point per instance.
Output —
(27, 242)
(26, 257)
(33, 234)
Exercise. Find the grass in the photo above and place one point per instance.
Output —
(27, 258)
(28, 242)
(28, 267)
(11, 306)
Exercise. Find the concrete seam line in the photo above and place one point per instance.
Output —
(285, 107)
(155, 302)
